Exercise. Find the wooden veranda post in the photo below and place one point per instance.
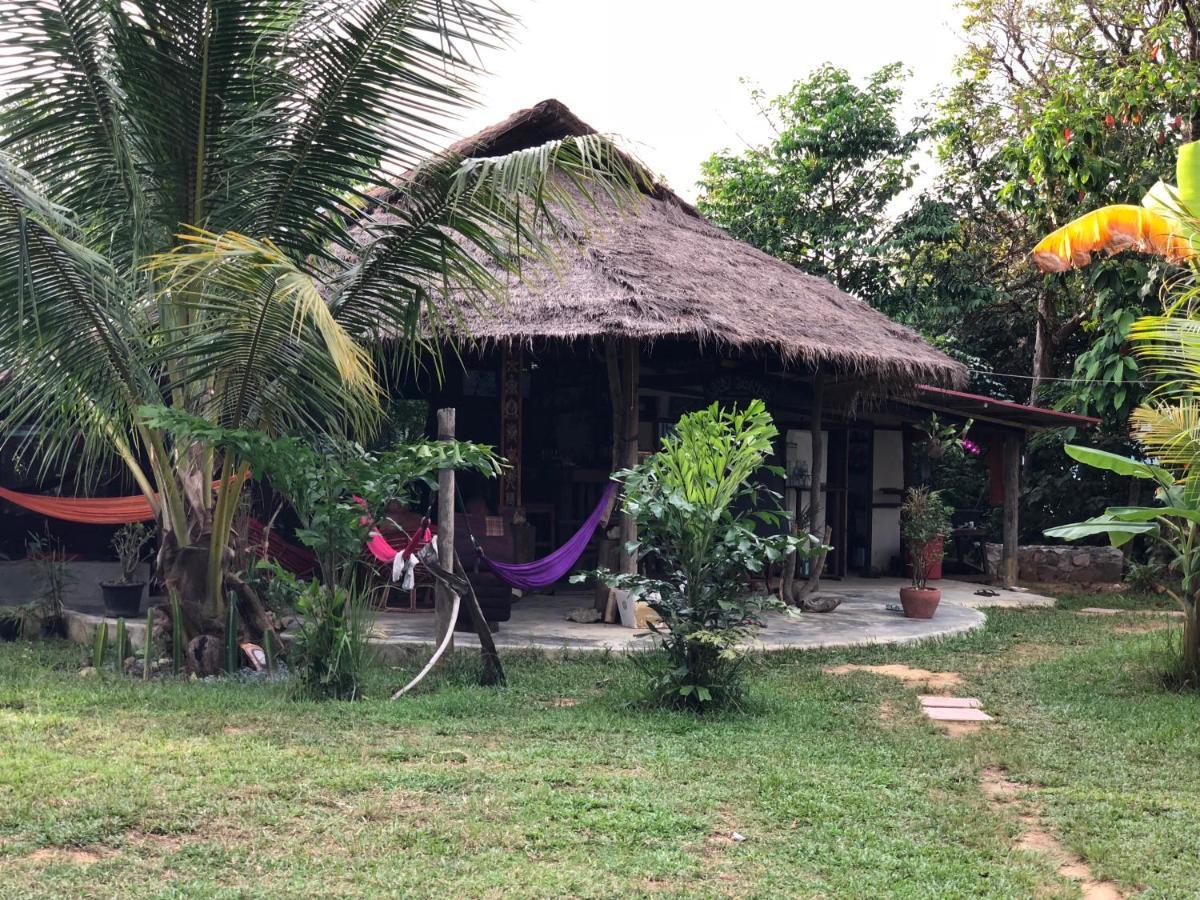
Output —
(622, 361)
(446, 601)
(629, 441)
(511, 368)
(816, 512)
(1012, 494)
(443, 596)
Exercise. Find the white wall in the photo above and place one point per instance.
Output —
(888, 469)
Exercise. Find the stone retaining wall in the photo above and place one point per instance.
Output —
(1061, 563)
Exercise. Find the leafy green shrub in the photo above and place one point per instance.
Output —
(333, 486)
(698, 510)
(278, 588)
(331, 654)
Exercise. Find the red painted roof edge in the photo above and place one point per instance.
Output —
(1066, 417)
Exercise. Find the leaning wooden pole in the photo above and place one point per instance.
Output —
(493, 672)
(445, 600)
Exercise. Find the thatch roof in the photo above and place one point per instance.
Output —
(660, 270)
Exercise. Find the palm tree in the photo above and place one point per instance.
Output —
(180, 188)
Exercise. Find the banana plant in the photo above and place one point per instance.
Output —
(1174, 523)
(1166, 224)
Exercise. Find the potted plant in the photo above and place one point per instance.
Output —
(124, 597)
(924, 521)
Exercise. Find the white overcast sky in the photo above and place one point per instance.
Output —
(663, 75)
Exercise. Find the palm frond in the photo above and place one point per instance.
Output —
(1169, 347)
(372, 85)
(1112, 229)
(457, 230)
(1170, 433)
(61, 114)
(72, 350)
(260, 339)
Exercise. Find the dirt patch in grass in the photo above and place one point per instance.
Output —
(165, 843)
(887, 713)
(959, 729)
(1143, 627)
(934, 681)
(77, 856)
(1009, 798)
(722, 837)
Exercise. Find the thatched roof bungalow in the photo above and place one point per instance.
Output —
(658, 270)
(653, 311)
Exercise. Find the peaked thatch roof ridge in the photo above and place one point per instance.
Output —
(660, 270)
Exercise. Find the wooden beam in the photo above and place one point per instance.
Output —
(1009, 567)
(444, 598)
(512, 366)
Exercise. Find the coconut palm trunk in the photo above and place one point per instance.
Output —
(182, 185)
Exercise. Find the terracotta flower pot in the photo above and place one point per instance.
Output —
(933, 552)
(918, 603)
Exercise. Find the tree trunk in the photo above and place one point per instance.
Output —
(1191, 639)
(443, 596)
(1043, 349)
(184, 572)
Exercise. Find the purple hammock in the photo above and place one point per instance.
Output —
(542, 573)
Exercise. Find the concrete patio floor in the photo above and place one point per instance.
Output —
(539, 622)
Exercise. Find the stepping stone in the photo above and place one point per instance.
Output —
(928, 700)
(955, 714)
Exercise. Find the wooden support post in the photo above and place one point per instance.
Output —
(493, 672)
(1009, 568)
(629, 435)
(791, 503)
(443, 596)
(816, 512)
(511, 427)
(622, 361)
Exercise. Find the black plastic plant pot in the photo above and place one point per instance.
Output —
(121, 599)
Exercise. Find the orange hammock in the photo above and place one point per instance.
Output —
(88, 510)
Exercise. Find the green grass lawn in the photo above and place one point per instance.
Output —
(564, 784)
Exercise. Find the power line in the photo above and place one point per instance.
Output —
(1042, 378)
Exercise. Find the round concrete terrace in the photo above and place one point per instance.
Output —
(539, 622)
